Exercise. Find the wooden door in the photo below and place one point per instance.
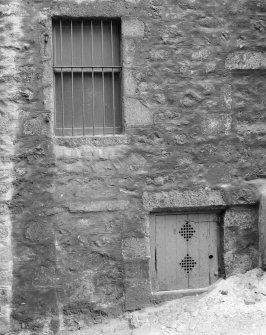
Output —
(184, 251)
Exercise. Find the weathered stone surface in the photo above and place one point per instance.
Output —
(240, 263)
(99, 206)
(262, 228)
(241, 240)
(92, 141)
(137, 295)
(193, 133)
(246, 60)
(239, 194)
(130, 85)
(135, 248)
(136, 114)
(177, 199)
(90, 153)
(246, 218)
(129, 49)
(38, 126)
(132, 28)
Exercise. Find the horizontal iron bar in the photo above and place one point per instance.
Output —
(90, 128)
(98, 70)
(77, 70)
(88, 67)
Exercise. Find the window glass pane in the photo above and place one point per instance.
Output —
(87, 43)
(107, 45)
(98, 100)
(88, 108)
(97, 44)
(58, 101)
(77, 45)
(118, 109)
(65, 39)
(83, 102)
(116, 42)
(108, 99)
(67, 100)
(112, 100)
(66, 44)
(56, 44)
(77, 93)
(67, 95)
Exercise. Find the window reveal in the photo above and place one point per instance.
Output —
(87, 75)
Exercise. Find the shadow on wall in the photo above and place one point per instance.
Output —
(34, 273)
(34, 268)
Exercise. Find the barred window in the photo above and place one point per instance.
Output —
(87, 76)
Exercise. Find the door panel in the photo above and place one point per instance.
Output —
(213, 252)
(184, 251)
(170, 253)
(181, 252)
(162, 269)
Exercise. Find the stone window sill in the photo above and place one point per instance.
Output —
(95, 141)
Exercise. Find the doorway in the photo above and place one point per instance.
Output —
(184, 250)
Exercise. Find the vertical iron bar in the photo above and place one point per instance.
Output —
(103, 79)
(72, 79)
(62, 77)
(113, 79)
(54, 46)
(92, 76)
(82, 76)
(54, 63)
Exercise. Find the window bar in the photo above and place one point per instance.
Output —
(82, 76)
(62, 77)
(54, 63)
(92, 77)
(103, 79)
(96, 68)
(72, 79)
(113, 79)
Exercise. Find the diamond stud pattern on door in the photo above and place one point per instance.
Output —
(187, 263)
(187, 231)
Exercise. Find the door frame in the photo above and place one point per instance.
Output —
(220, 215)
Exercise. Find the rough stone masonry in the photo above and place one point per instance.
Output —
(74, 224)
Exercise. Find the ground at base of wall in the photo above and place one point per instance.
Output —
(236, 306)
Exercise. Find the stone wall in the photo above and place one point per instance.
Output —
(77, 209)
(11, 32)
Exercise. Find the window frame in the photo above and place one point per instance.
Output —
(102, 70)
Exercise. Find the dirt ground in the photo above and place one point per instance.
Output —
(235, 306)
